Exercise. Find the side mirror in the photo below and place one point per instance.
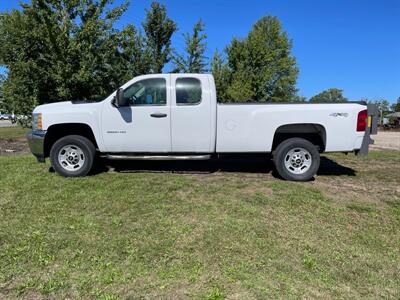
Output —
(119, 99)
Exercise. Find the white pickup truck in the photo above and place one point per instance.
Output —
(176, 116)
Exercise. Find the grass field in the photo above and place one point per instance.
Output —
(12, 132)
(217, 235)
(13, 140)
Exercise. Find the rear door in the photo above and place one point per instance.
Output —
(191, 125)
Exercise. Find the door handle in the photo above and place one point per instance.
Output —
(158, 115)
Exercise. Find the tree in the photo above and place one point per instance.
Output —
(261, 65)
(298, 99)
(57, 50)
(2, 105)
(194, 61)
(220, 71)
(384, 106)
(329, 95)
(396, 106)
(159, 29)
(135, 57)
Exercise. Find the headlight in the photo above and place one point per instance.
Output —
(37, 121)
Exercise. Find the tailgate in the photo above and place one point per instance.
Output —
(370, 129)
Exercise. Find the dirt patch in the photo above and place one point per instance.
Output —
(341, 190)
(386, 140)
(14, 146)
(372, 182)
(258, 189)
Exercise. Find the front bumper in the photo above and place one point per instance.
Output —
(36, 143)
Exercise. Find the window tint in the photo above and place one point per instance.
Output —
(147, 92)
(188, 91)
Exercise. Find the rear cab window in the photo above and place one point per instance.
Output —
(188, 91)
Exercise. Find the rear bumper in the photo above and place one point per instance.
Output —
(36, 143)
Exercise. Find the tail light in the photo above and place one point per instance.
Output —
(362, 120)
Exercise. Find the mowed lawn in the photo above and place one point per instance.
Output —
(213, 235)
(12, 132)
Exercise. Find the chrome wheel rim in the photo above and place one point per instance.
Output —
(298, 161)
(71, 158)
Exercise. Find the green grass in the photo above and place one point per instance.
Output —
(12, 132)
(207, 236)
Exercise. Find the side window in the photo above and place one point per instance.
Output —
(188, 91)
(152, 91)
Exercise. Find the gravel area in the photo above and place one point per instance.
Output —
(6, 123)
(386, 140)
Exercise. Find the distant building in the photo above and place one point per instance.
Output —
(394, 118)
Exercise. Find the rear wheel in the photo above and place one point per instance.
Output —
(73, 156)
(296, 159)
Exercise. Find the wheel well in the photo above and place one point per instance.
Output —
(314, 133)
(57, 131)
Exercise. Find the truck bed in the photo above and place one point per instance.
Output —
(250, 127)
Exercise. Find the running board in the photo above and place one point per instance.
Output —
(157, 157)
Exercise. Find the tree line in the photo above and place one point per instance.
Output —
(59, 50)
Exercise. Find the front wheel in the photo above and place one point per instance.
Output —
(296, 159)
(72, 156)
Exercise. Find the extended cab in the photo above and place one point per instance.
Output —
(176, 116)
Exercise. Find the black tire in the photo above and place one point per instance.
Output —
(282, 155)
(86, 157)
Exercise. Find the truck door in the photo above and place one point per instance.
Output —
(144, 126)
(191, 127)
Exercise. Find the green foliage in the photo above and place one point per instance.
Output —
(221, 73)
(159, 29)
(2, 104)
(298, 98)
(396, 106)
(261, 65)
(383, 106)
(135, 58)
(194, 61)
(69, 49)
(330, 95)
(214, 294)
(63, 50)
(241, 87)
(309, 262)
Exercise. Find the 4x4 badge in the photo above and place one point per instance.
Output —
(339, 115)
